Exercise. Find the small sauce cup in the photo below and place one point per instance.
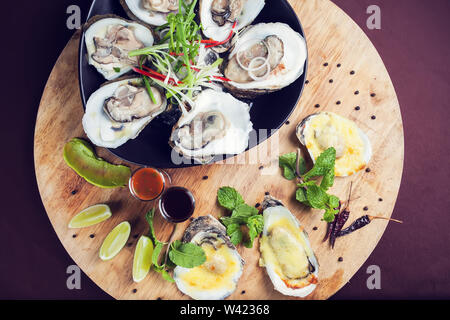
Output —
(177, 204)
(147, 184)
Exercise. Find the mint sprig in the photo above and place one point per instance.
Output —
(309, 192)
(187, 255)
(241, 215)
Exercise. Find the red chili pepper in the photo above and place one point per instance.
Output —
(154, 75)
(208, 41)
(176, 54)
(215, 77)
(221, 78)
(161, 75)
(226, 40)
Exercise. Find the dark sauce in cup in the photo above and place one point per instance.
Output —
(177, 204)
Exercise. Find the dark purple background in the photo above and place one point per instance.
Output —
(413, 257)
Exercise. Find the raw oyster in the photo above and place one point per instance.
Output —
(119, 111)
(265, 57)
(152, 12)
(217, 124)
(109, 39)
(218, 16)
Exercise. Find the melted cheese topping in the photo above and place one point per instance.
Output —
(284, 249)
(330, 130)
(216, 273)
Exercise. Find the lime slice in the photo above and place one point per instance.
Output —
(90, 216)
(142, 258)
(115, 241)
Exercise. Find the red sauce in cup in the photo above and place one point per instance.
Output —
(147, 184)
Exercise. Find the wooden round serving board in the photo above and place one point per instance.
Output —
(336, 47)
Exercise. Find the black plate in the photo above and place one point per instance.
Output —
(150, 148)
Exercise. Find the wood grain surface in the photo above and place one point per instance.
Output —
(333, 39)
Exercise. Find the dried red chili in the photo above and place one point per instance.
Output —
(339, 224)
(341, 219)
(362, 222)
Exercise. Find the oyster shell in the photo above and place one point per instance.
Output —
(109, 39)
(217, 278)
(152, 12)
(286, 251)
(265, 57)
(119, 111)
(323, 130)
(217, 124)
(218, 16)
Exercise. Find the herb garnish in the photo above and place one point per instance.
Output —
(242, 215)
(187, 255)
(174, 59)
(309, 192)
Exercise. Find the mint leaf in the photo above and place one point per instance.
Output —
(255, 226)
(229, 198)
(333, 202)
(235, 233)
(244, 211)
(302, 166)
(317, 197)
(186, 255)
(300, 195)
(328, 179)
(288, 162)
(227, 221)
(324, 163)
(116, 69)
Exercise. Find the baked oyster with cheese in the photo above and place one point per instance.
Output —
(265, 57)
(217, 278)
(218, 17)
(323, 130)
(152, 12)
(119, 111)
(286, 252)
(217, 124)
(109, 39)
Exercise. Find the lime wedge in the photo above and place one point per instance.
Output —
(142, 258)
(90, 216)
(115, 241)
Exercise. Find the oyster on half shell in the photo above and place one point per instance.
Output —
(265, 57)
(109, 39)
(323, 130)
(217, 278)
(218, 16)
(152, 12)
(119, 111)
(217, 124)
(286, 252)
